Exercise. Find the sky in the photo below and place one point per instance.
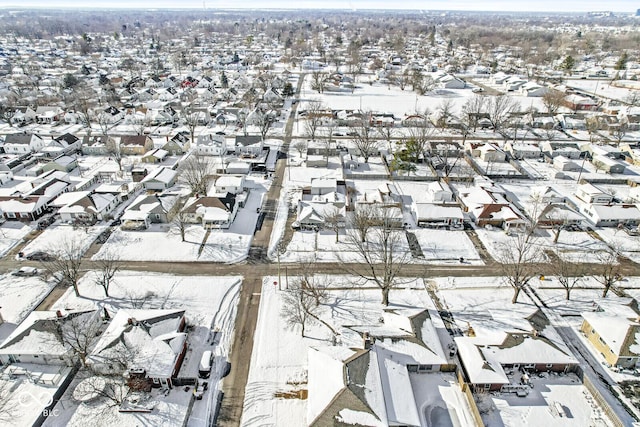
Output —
(488, 5)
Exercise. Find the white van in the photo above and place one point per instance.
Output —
(205, 364)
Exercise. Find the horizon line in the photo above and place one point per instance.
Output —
(346, 8)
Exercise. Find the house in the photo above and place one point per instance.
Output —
(487, 152)
(160, 179)
(249, 146)
(234, 184)
(47, 115)
(535, 347)
(553, 149)
(155, 339)
(146, 210)
(155, 156)
(522, 150)
(436, 216)
(210, 144)
(180, 143)
(213, 212)
(97, 145)
(313, 214)
(612, 215)
(614, 331)
(89, 209)
(133, 145)
(376, 381)
(42, 338)
(487, 205)
(532, 89)
(559, 215)
(62, 163)
(580, 103)
(238, 168)
(64, 144)
(566, 165)
(608, 165)
(24, 115)
(591, 194)
(22, 143)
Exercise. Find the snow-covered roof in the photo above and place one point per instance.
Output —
(437, 212)
(153, 336)
(613, 328)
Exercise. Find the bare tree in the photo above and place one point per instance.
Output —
(517, 259)
(79, 332)
(317, 81)
(334, 220)
(65, 262)
(264, 120)
(552, 100)
(103, 119)
(609, 271)
(196, 172)
(191, 119)
(8, 407)
(363, 137)
(314, 117)
(500, 109)
(382, 249)
(473, 109)
(300, 147)
(113, 148)
(181, 223)
(618, 133)
(569, 274)
(304, 299)
(8, 108)
(108, 266)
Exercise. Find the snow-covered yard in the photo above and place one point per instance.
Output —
(20, 295)
(571, 245)
(553, 400)
(12, 233)
(446, 246)
(64, 237)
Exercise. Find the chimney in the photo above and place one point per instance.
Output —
(368, 340)
(106, 313)
(58, 313)
(131, 321)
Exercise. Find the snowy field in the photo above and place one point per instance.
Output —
(210, 304)
(60, 237)
(279, 359)
(12, 233)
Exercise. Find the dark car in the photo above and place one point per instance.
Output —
(40, 256)
(45, 222)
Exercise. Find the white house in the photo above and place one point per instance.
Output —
(234, 184)
(591, 194)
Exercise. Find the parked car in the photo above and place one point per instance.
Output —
(25, 272)
(40, 256)
(205, 364)
(45, 222)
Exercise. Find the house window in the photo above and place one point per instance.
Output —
(549, 365)
(158, 216)
(487, 386)
(601, 341)
(10, 215)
